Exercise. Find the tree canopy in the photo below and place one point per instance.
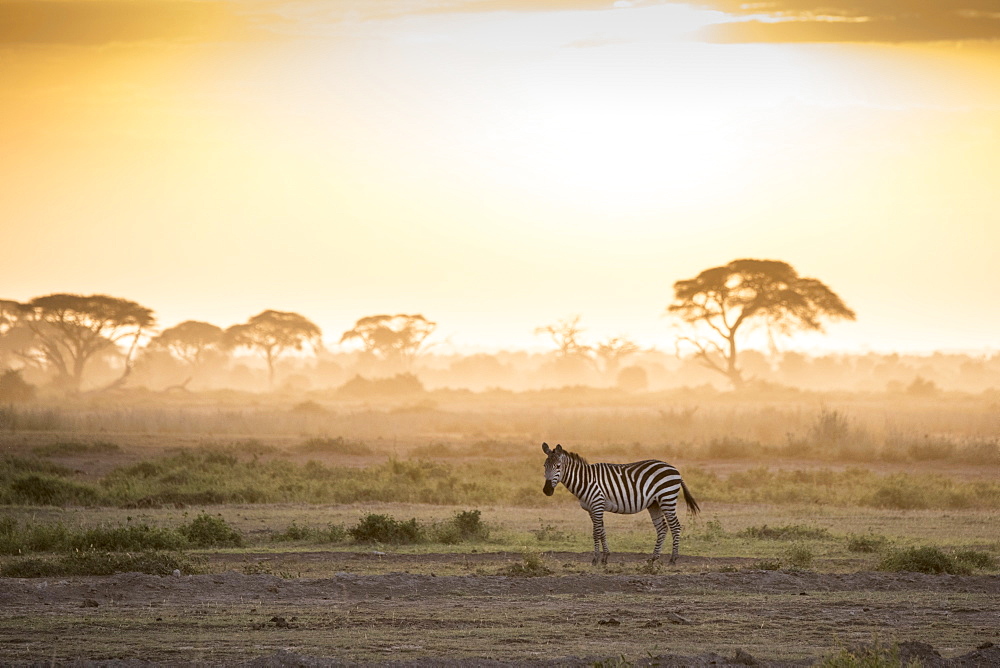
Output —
(725, 299)
(189, 341)
(273, 333)
(392, 338)
(69, 330)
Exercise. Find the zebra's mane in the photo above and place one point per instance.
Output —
(577, 458)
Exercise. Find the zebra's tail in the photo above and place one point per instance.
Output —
(691, 503)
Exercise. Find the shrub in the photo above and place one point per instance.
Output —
(922, 560)
(129, 538)
(385, 529)
(799, 556)
(333, 533)
(976, 559)
(47, 490)
(466, 525)
(98, 563)
(868, 543)
(210, 531)
(767, 565)
(532, 566)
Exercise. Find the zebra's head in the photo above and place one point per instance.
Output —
(553, 467)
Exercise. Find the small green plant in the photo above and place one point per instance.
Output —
(549, 534)
(532, 566)
(767, 565)
(976, 559)
(922, 560)
(799, 556)
(210, 531)
(868, 657)
(385, 529)
(867, 543)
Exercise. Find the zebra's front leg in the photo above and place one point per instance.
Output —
(600, 538)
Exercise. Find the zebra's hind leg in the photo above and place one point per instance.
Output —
(660, 524)
(670, 510)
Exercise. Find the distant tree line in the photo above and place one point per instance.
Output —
(64, 334)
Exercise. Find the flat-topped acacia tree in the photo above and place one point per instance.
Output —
(70, 330)
(273, 333)
(723, 300)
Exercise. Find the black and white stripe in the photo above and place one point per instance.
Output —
(620, 488)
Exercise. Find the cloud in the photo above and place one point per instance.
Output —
(888, 21)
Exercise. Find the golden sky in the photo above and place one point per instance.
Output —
(497, 165)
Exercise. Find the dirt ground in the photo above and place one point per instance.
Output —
(698, 615)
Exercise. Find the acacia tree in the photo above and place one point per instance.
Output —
(612, 351)
(69, 330)
(273, 333)
(393, 338)
(190, 342)
(565, 334)
(15, 337)
(727, 299)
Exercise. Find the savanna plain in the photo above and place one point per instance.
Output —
(836, 529)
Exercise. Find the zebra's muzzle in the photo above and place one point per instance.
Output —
(549, 488)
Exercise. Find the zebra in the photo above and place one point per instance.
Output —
(620, 488)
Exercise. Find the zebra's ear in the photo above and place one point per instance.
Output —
(559, 448)
(545, 448)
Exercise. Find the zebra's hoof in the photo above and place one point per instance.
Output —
(673, 560)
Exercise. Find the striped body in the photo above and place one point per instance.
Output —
(621, 488)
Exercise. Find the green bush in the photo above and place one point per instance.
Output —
(466, 525)
(976, 559)
(47, 490)
(532, 566)
(98, 563)
(767, 565)
(210, 531)
(922, 560)
(385, 529)
(333, 533)
(129, 538)
(799, 556)
(869, 543)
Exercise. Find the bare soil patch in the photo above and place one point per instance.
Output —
(698, 616)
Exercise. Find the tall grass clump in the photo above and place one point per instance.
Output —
(332, 533)
(923, 560)
(94, 562)
(375, 528)
(210, 531)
